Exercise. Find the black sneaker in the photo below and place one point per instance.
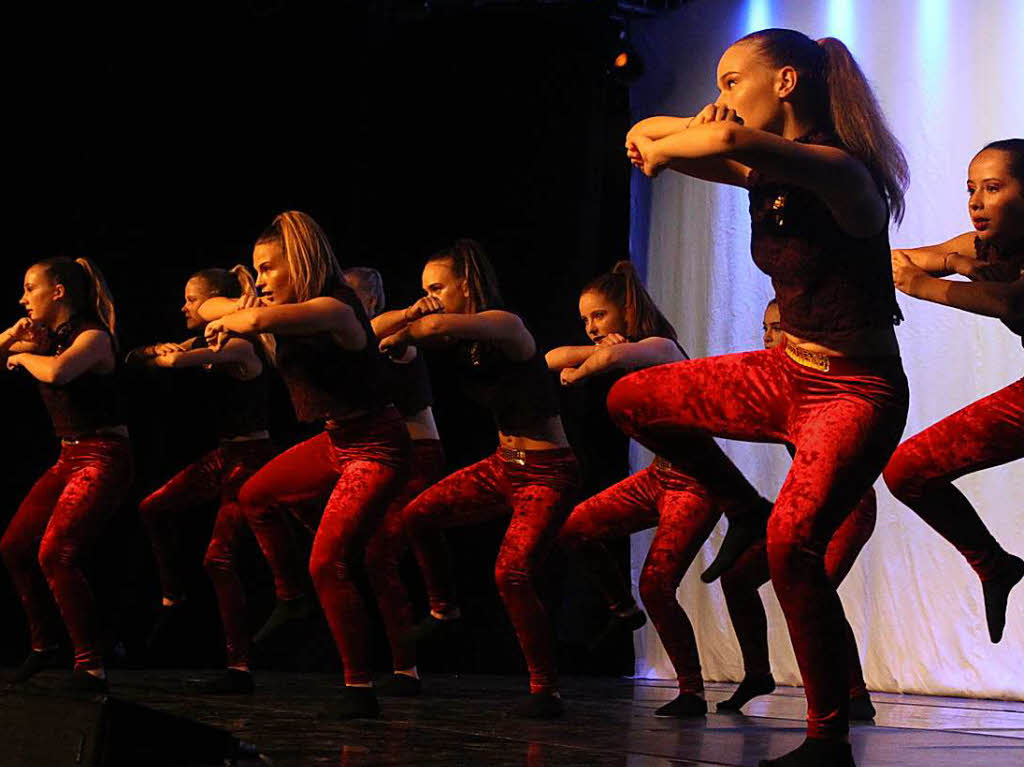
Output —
(84, 682)
(618, 625)
(749, 688)
(743, 532)
(815, 753)
(432, 629)
(232, 682)
(168, 619)
(36, 661)
(685, 704)
(285, 611)
(400, 686)
(539, 705)
(352, 703)
(861, 708)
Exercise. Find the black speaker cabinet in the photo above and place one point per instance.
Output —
(46, 730)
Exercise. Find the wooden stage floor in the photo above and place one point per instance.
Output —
(459, 720)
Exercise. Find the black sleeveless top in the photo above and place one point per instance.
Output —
(323, 379)
(518, 394)
(409, 384)
(986, 250)
(827, 282)
(89, 402)
(242, 405)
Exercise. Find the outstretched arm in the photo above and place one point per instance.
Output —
(389, 323)
(313, 316)
(505, 329)
(569, 356)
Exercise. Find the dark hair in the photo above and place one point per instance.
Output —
(833, 87)
(622, 286)
(86, 290)
(469, 262)
(371, 280)
(771, 303)
(230, 283)
(1015, 148)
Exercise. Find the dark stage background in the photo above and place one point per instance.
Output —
(164, 143)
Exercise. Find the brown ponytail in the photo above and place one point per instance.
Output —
(86, 290)
(623, 287)
(229, 283)
(832, 87)
(470, 262)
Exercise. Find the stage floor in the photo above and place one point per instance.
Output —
(460, 721)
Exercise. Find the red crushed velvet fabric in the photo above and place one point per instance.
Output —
(844, 428)
(385, 549)
(741, 582)
(987, 433)
(54, 528)
(685, 515)
(362, 463)
(538, 496)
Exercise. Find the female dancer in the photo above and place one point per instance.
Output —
(989, 432)
(409, 382)
(532, 476)
(629, 332)
(67, 343)
(240, 395)
(324, 349)
(741, 582)
(825, 175)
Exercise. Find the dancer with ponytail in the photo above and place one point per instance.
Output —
(741, 582)
(409, 383)
(989, 432)
(238, 388)
(67, 342)
(532, 477)
(629, 333)
(797, 124)
(325, 350)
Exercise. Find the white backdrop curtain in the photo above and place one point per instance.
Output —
(950, 77)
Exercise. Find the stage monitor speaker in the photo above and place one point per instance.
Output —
(47, 730)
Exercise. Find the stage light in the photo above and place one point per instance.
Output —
(625, 65)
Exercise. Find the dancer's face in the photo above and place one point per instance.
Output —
(772, 326)
(441, 282)
(747, 84)
(41, 297)
(366, 298)
(273, 278)
(600, 316)
(996, 202)
(196, 291)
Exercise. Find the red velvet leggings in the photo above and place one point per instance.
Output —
(989, 432)
(538, 495)
(741, 582)
(844, 424)
(53, 530)
(685, 515)
(218, 474)
(385, 549)
(362, 464)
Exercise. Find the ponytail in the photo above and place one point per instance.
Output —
(229, 283)
(85, 288)
(313, 269)
(832, 87)
(371, 281)
(623, 287)
(470, 262)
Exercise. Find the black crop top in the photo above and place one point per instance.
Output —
(242, 405)
(323, 379)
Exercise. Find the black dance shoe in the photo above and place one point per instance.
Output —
(232, 682)
(750, 688)
(815, 753)
(997, 593)
(539, 705)
(400, 686)
(744, 531)
(432, 629)
(84, 682)
(862, 709)
(37, 660)
(285, 611)
(618, 625)
(684, 705)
